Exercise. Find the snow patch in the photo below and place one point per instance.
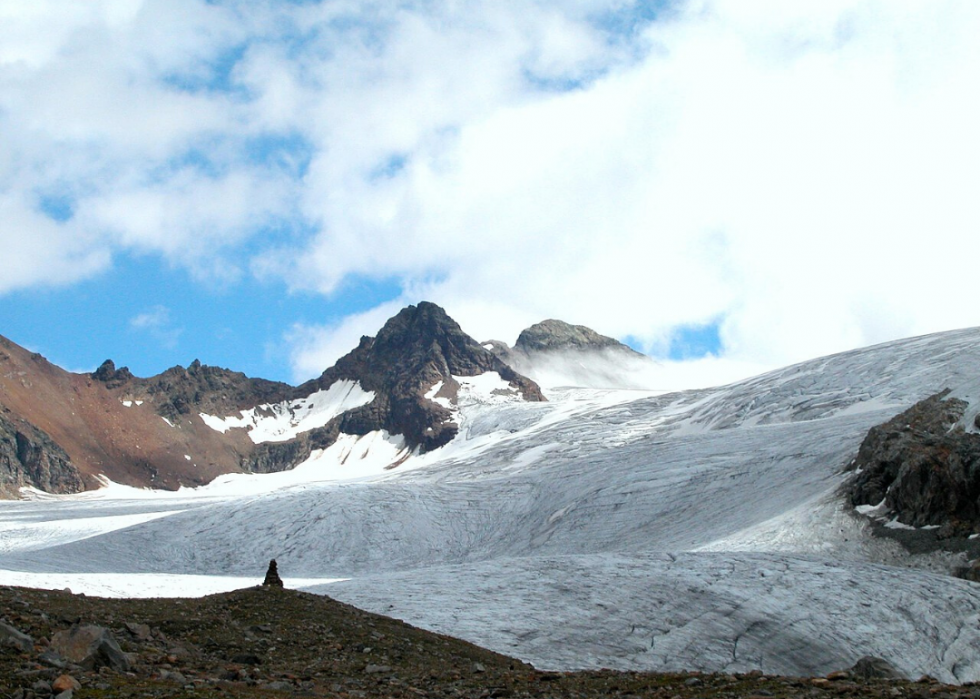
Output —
(438, 400)
(485, 388)
(281, 422)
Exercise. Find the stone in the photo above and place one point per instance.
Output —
(141, 632)
(246, 659)
(13, 638)
(172, 676)
(272, 575)
(65, 682)
(52, 659)
(376, 669)
(872, 668)
(91, 647)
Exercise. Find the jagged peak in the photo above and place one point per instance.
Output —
(417, 348)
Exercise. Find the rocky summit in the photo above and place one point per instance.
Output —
(416, 350)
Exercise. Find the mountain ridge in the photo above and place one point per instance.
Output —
(62, 432)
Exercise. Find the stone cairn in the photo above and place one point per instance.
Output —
(272, 578)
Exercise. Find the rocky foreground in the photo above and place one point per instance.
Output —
(267, 641)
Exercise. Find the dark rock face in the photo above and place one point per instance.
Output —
(415, 350)
(29, 457)
(924, 465)
(198, 388)
(872, 668)
(549, 335)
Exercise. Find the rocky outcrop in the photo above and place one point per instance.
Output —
(416, 349)
(29, 457)
(274, 457)
(924, 465)
(197, 388)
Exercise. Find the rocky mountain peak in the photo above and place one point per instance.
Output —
(415, 350)
(551, 335)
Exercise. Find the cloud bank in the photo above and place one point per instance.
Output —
(800, 174)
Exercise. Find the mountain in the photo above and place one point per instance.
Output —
(555, 353)
(62, 432)
(713, 530)
(412, 367)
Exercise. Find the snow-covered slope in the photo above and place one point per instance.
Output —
(604, 528)
(283, 421)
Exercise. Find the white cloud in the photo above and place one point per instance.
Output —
(801, 172)
(804, 172)
(158, 324)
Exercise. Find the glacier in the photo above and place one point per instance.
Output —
(698, 529)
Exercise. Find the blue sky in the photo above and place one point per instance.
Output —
(255, 185)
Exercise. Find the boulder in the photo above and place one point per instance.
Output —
(872, 668)
(12, 638)
(65, 683)
(141, 632)
(91, 647)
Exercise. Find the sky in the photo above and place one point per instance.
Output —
(256, 184)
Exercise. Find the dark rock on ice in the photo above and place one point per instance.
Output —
(925, 467)
(872, 668)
